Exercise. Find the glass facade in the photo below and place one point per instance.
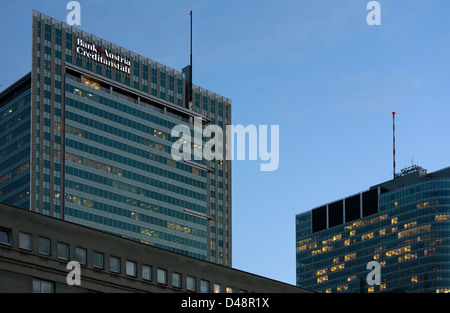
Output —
(94, 143)
(408, 236)
(120, 176)
(15, 144)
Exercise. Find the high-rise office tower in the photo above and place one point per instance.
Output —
(402, 224)
(88, 139)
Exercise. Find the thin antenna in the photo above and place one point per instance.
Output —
(393, 129)
(190, 72)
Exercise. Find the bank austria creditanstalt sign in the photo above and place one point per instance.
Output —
(104, 56)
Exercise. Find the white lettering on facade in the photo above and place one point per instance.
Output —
(103, 56)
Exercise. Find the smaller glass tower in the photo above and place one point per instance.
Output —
(403, 224)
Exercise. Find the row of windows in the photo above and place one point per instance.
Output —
(22, 116)
(146, 234)
(415, 190)
(119, 185)
(120, 211)
(14, 108)
(159, 196)
(15, 172)
(114, 265)
(381, 225)
(132, 111)
(126, 147)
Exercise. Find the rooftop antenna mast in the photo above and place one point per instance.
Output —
(393, 130)
(190, 71)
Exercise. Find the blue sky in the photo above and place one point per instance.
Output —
(313, 67)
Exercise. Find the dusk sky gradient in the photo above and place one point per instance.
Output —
(313, 67)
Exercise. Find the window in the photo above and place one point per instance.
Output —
(81, 255)
(146, 272)
(5, 236)
(176, 280)
(190, 283)
(114, 264)
(229, 290)
(204, 286)
(44, 246)
(63, 251)
(40, 286)
(99, 260)
(161, 276)
(25, 241)
(218, 288)
(131, 268)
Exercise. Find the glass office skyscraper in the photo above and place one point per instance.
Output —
(90, 142)
(403, 224)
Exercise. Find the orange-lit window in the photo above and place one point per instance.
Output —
(89, 82)
(351, 278)
(321, 272)
(350, 256)
(441, 218)
(342, 288)
(367, 236)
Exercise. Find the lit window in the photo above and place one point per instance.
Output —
(367, 236)
(91, 83)
(414, 279)
(229, 290)
(440, 218)
(321, 272)
(350, 256)
(218, 288)
(342, 288)
(337, 267)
